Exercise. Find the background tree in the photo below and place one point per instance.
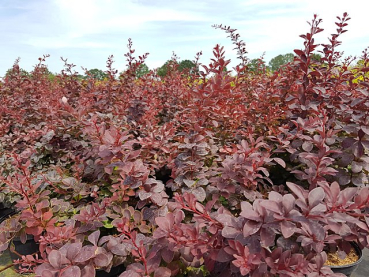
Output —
(97, 74)
(142, 70)
(163, 70)
(16, 70)
(256, 65)
(183, 66)
(186, 65)
(280, 60)
(316, 57)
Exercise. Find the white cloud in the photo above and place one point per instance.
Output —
(95, 16)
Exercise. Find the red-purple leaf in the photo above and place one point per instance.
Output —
(316, 197)
(94, 237)
(300, 193)
(73, 271)
(280, 162)
(288, 228)
(162, 272)
(267, 236)
(55, 259)
(251, 227)
(87, 253)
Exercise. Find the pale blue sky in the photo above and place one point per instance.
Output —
(88, 31)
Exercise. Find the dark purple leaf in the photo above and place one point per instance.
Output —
(343, 177)
(360, 134)
(348, 142)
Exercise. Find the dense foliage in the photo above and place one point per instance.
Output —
(194, 173)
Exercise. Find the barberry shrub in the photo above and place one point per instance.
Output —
(194, 173)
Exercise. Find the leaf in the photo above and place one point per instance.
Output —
(230, 232)
(365, 129)
(360, 179)
(315, 197)
(162, 272)
(103, 259)
(280, 162)
(248, 211)
(55, 259)
(47, 273)
(358, 148)
(86, 253)
(251, 227)
(299, 52)
(267, 237)
(356, 167)
(121, 249)
(360, 134)
(94, 237)
(73, 249)
(347, 194)
(346, 159)
(189, 183)
(300, 193)
(143, 195)
(88, 271)
(130, 273)
(343, 177)
(348, 142)
(319, 209)
(288, 202)
(223, 256)
(47, 215)
(288, 228)
(270, 205)
(167, 255)
(70, 181)
(200, 194)
(163, 223)
(335, 191)
(307, 146)
(73, 271)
